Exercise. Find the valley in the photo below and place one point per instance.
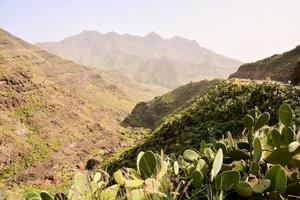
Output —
(169, 120)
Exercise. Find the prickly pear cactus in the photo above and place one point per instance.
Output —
(197, 179)
(45, 196)
(190, 155)
(262, 120)
(278, 178)
(33, 196)
(285, 114)
(110, 193)
(263, 163)
(217, 164)
(244, 189)
(227, 180)
(262, 186)
(148, 164)
(60, 196)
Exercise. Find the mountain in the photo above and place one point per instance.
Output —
(211, 114)
(147, 114)
(151, 59)
(281, 67)
(55, 114)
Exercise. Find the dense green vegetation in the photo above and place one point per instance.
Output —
(221, 110)
(281, 67)
(262, 164)
(212, 114)
(147, 114)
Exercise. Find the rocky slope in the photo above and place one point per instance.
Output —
(150, 59)
(56, 115)
(45, 129)
(282, 67)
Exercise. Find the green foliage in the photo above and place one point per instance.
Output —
(60, 196)
(227, 180)
(262, 186)
(217, 164)
(244, 189)
(285, 114)
(197, 178)
(220, 110)
(150, 113)
(262, 120)
(278, 178)
(259, 165)
(190, 155)
(46, 196)
(257, 148)
(275, 138)
(248, 121)
(33, 196)
(148, 164)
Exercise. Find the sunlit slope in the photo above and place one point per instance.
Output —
(56, 114)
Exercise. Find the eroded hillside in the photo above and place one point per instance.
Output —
(56, 115)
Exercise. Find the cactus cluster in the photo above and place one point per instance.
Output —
(264, 163)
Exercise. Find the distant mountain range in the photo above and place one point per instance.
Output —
(281, 67)
(150, 59)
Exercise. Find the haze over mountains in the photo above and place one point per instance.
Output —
(150, 59)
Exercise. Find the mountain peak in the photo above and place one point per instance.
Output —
(112, 33)
(153, 35)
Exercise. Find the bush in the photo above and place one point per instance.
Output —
(263, 164)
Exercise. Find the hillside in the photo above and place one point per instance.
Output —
(150, 59)
(214, 113)
(56, 114)
(281, 67)
(108, 89)
(147, 114)
(44, 129)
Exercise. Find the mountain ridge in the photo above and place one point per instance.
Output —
(281, 67)
(129, 54)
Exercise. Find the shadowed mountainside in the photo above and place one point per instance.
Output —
(281, 67)
(147, 114)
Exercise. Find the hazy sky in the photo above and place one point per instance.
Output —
(244, 29)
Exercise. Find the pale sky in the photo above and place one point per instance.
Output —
(243, 29)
